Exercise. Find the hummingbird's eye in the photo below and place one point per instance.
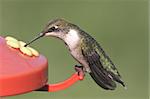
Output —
(52, 29)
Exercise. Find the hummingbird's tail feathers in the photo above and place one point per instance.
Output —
(117, 78)
(101, 78)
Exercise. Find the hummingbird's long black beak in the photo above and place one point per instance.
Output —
(36, 38)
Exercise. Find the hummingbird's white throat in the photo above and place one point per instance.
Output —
(72, 38)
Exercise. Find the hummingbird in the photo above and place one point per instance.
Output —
(86, 51)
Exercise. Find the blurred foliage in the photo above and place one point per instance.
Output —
(120, 26)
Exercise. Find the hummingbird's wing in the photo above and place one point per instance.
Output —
(103, 71)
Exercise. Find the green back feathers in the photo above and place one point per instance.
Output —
(100, 64)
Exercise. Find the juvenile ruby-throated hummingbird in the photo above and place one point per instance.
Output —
(86, 51)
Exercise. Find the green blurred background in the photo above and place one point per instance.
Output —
(120, 26)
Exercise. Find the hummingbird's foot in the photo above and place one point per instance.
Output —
(80, 70)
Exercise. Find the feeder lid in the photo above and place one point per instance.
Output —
(20, 73)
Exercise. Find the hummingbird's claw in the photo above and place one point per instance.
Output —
(79, 70)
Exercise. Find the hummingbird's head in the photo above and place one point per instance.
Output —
(61, 29)
(57, 28)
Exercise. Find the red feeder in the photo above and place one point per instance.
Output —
(20, 73)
